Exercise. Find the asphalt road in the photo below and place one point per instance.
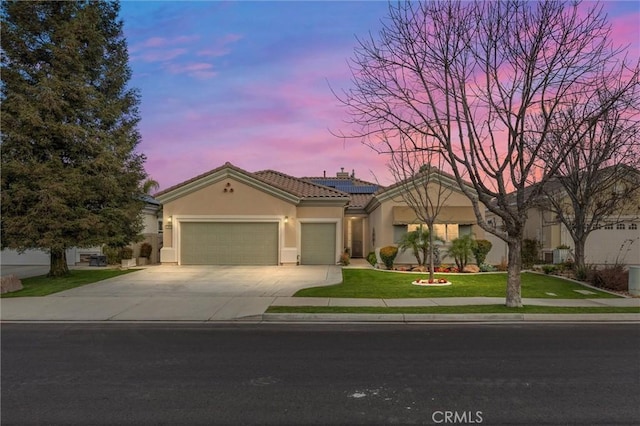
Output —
(531, 374)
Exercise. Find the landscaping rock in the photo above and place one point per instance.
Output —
(419, 269)
(471, 269)
(10, 283)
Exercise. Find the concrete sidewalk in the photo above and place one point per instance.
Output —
(219, 308)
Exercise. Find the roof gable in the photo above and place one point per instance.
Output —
(278, 184)
(227, 170)
(431, 175)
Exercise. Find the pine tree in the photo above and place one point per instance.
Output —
(71, 175)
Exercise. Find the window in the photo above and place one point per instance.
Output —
(398, 232)
(448, 232)
(633, 226)
(620, 226)
(608, 227)
(464, 230)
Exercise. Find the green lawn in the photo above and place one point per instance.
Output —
(470, 309)
(43, 285)
(367, 283)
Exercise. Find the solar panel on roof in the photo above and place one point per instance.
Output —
(356, 189)
(347, 187)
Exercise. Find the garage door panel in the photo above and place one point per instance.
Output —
(229, 243)
(318, 244)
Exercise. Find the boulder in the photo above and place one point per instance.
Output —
(471, 269)
(419, 269)
(10, 283)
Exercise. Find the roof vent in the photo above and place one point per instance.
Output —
(342, 173)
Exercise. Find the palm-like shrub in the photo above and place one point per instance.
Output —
(461, 250)
(418, 242)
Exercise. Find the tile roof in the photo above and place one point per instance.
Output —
(203, 175)
(358, 192)
(297, 186)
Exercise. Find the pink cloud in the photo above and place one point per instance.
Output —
(161, 55)
(220, 47)
(200, 70)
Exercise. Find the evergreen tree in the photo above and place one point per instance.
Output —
(71, 176)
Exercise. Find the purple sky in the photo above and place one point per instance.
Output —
(250, 83)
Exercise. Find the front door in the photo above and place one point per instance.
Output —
(357, 234)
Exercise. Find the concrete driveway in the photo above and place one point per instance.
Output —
(174, 293)
(233, 281)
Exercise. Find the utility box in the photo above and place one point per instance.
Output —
(560, 256)
(634, 280)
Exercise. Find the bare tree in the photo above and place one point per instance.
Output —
(423, 186)
(485, 80)
(598, 182)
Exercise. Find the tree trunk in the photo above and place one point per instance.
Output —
(58, 266)
(431, 266)
(578, 254)
(514, 298)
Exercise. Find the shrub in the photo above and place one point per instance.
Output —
(582, 272)
(461, 250)
(113, 254)
(549, 269)
(613, 277)
(145, 250)
(480, 250)
(485, 267)
(530, 253)
(126, 253)
(345, 259)
(388, 255)
(371, 258)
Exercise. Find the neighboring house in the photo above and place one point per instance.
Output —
(617, 241)
(77, 255)
(229, 216)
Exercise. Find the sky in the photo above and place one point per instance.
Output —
(252, 83)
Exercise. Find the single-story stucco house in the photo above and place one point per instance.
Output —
(229, 216)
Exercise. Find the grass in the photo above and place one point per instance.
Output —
(367, 283)
(469, 309)
(43, 285)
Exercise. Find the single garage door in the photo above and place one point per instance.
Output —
(318, 244)
(229, 243)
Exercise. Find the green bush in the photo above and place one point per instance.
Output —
(485, 267)
(145, 250)
(388, 255)
(582, 272)
(549, 269)
(481, 249)
(113, 254)
(530, 253)
(371, 258)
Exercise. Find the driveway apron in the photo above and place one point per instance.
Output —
(174, 293)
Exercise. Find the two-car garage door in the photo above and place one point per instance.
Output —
(229, 243)
(252, 243)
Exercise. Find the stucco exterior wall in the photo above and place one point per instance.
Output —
(243, 203)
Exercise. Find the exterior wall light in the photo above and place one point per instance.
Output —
(286, 219)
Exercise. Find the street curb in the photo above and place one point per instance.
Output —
(406, 318)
